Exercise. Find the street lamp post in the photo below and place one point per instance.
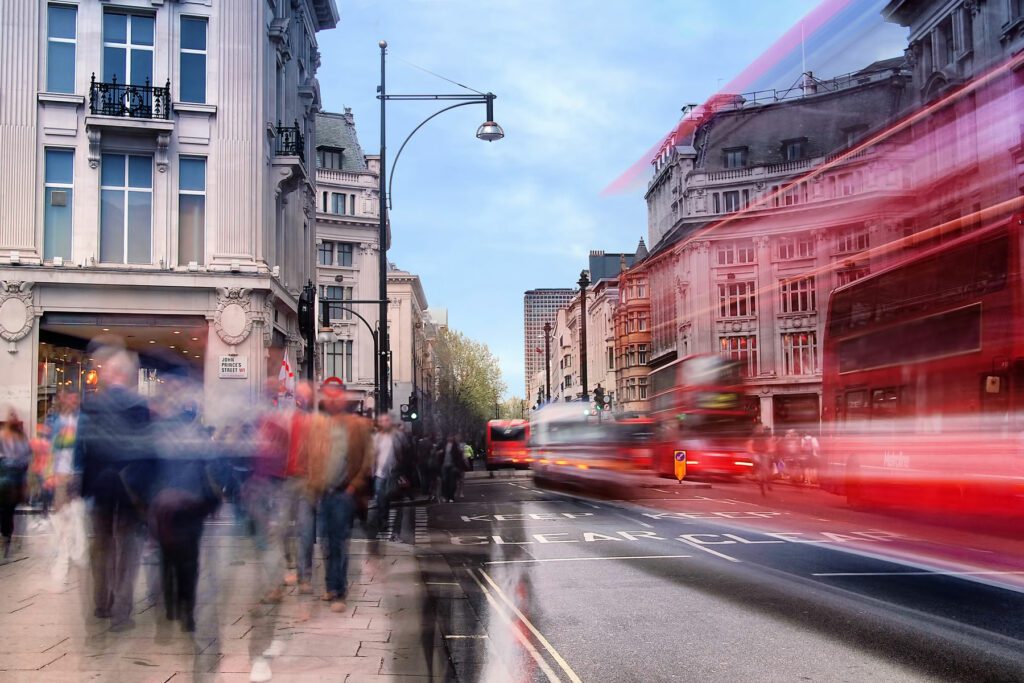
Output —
(547, 362)
(584, 282)
(330, 337)
(488, 131)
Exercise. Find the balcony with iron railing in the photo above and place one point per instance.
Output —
(290, 142)
(126, 100)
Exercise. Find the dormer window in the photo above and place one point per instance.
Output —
(329, 157)
(794, 149)
(853, 133)
(735, 157)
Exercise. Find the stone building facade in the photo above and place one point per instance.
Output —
(158, 187)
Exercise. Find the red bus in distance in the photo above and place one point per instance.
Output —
(506, 443)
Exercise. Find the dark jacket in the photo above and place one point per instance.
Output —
(114, 449)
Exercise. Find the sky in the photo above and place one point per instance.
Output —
(584, 90)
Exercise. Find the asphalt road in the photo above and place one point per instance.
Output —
(673, 583)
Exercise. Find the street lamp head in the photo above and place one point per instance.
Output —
(383, 43)
(547, 327)
(584, 279)
(490, 131)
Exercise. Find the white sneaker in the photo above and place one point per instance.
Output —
(260, 671)
(276, 649)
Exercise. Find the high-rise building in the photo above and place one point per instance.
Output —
(539, 307)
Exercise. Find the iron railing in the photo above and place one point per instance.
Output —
(131, 101)
(290, 142)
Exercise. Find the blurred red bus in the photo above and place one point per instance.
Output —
(923, 378)
(698, 407)
(506, 443)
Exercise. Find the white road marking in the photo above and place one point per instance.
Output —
(454, 637)
(520, 636)
(708, 550)
(533, 629)
(633, 521)
(934, 573)
(589, 559)
(441, 583)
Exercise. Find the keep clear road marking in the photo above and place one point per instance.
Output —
(520, 636)
(533, 629)
(698, 546)
(588, 559)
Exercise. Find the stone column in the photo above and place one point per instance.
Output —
(767, 308)
(704, 294)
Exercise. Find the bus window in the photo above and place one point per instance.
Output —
(884, 403)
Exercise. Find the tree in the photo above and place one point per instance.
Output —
(513, 408)
(469, 384)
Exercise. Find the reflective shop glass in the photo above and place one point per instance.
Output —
(60, 51)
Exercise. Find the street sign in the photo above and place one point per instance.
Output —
(680, 465)
(233, 367)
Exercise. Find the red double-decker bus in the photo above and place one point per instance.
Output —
(923, 378)
(700, 411)
(506, 443)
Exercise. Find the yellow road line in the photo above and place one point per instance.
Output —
(533, 629)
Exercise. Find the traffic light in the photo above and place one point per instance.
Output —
(307, 314)
(406, 413)
(414, 408)
(599, 397)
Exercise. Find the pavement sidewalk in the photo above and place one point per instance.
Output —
(386, 634)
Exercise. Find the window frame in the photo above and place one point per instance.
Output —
(801, 359)
(730, 155)
(205, 21)
(47, 186)
(798, 144)
(128, 45)
(125, 190)
(194, 193)
(798, 295)
(736, 303)
(729, 346)
(66, 41)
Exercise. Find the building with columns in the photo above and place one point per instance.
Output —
(757, 212)
(347, 244)
(158, 187)
(412, 333)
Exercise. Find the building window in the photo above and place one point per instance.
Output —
(798, 296)
(845, 277)
(1016, 9)
(731, 253)
(735, 157)
(60, 48)
(611, 357)
(127, 48)
(736, 300)
(852, 241)
(338, 360)
(344, 252)
(338, 203)
(329, 158)
(796, 247)
(325, 253)
(630, 356)
(641, 354)
(799, 353)
(193, 59)
(732, 200)
(946, 41)
(742, 349)
(794, 150)
(126, 208)
(641, 388)
(853, 133)
(567, 381)
(717, 202)
(58, 200)
(335, 295)
(191, 210)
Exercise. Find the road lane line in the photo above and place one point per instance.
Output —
(708, 550)
(587, 559)
(441, 583)
(520, 636)
(455, 637)
(631, 520)
(935, 573)
(533, 629)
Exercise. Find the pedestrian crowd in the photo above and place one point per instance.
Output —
(795, 457)
(122, 476)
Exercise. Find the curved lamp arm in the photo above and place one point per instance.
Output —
(422, 123)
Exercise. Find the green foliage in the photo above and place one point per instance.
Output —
(469, 384)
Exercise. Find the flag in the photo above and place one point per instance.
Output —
(286, 376)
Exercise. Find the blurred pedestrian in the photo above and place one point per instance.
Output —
(341, 461)
(299, 508)
(15, 456)
(386, 444)
(114, 452)
(810, 453)
(759, 447)
(188, 490)
(452, 468)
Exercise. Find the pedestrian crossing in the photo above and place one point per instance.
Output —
(422, 534)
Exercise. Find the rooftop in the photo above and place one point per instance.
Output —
(339, 132)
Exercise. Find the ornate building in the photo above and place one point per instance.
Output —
(158, 187)
(758, 209)
(633, 335)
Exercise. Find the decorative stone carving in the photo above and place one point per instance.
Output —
(761, 241)
(17, 314)
(295, 342)
(95, 136)
(368, 247)
(163, 141)
(268, 321)
(233, 320)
